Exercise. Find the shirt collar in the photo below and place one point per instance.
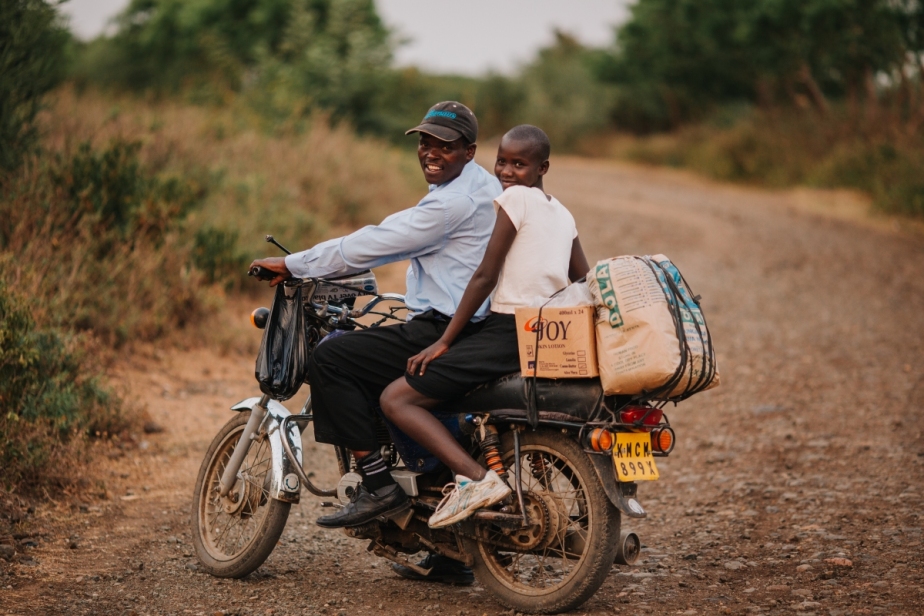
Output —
(467, 170)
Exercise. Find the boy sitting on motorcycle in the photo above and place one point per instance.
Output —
(533, 252)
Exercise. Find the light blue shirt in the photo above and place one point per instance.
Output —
(444, 236)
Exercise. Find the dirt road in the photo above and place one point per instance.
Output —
(811, 449)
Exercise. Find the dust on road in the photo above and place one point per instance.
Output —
(809, 456)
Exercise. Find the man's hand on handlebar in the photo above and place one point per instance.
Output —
(263, 268)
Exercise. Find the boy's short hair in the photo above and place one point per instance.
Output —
(535, 137)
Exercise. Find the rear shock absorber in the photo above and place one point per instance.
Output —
(539, 468)
(489, 442)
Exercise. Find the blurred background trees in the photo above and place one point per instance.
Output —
(129, 206)
(32, 43)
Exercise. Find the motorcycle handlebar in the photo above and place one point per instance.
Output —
(261, 273)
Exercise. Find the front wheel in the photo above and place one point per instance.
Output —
(236, 533)
(561, 560)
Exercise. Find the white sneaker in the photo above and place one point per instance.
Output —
(465, 496)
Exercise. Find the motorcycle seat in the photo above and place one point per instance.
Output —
(561, 399)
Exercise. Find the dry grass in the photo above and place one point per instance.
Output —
(883, 159)
(301, 183)
(103, 240)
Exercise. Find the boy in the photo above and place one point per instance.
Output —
(533, 252)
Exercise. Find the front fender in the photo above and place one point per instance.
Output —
(285, 485)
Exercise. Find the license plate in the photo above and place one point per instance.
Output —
(632, 457)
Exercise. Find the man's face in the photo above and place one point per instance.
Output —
(518, 165)
(442, 161)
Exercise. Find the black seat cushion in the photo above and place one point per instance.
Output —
(575, 398)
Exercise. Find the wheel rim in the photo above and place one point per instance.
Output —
(553, 563)
(228, 525)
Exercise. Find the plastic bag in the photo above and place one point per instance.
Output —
(282, 363)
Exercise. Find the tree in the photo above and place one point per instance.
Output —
(675, 59)
(293, 54)
(32, 44)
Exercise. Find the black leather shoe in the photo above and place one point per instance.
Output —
(365, 506)
(442, 569)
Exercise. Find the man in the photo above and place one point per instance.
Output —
(445, 237)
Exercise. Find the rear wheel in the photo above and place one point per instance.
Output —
(235, 534)
(565, 555)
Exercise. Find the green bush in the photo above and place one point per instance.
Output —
(32, 52)
(787, 149)
(49, 396)
(101, 241)
(217, 255)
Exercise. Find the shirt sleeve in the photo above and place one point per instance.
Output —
(513, 200)
(404, 235)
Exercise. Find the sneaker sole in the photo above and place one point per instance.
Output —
(405, 505)
(461, 515)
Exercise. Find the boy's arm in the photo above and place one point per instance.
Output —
(578, 266)
(479, 288)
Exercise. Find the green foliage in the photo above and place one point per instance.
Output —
(115, 198)
(792, 148)
(334, 55)
(164, 45)
(675, 60)
(287, 56)
(32, 45)
(562, 95)
(217, 255)
(101, 240)
(49, 395)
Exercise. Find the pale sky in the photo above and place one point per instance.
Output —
(470, 37)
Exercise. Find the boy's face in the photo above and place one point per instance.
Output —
(443, 161)
(518, 164)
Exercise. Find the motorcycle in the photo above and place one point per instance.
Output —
(547, 548)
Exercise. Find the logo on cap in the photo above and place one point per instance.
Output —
(442, 114)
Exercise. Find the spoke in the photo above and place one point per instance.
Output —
(225, 529)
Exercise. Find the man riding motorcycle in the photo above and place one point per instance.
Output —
(444, 236)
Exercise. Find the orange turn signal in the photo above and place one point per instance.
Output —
(662, 440)
(601, 440)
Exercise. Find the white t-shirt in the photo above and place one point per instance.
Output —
(538, 260)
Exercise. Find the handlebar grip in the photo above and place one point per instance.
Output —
(261, 273)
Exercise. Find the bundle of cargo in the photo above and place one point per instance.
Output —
(652, 337)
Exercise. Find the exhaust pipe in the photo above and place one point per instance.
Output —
(630, 546)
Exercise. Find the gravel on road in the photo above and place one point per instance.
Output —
(795, 487)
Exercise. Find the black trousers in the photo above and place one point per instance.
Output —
(349, 373)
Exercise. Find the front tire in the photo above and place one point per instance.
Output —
(234, 535)
(572, 558)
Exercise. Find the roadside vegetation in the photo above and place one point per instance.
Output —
(127, 219)
(140, 171)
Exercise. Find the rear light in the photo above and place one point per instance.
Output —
(645, 414)
(599, 439)
(662, 440)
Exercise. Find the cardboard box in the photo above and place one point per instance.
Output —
(567, 344)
